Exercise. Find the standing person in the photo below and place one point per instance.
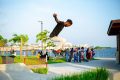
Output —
(54, 52)
(24, 53)
(79, 55)
(93, 53)
(88, 54)
(71, 54)
(47, 55)
(38, 55)
(82, 53)
(12, 52)
(67, 54)
(75, 55)
(60, 25)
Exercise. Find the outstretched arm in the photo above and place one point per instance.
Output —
(55, 16)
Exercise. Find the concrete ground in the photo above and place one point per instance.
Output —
(21, 72)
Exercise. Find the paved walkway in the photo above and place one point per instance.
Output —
(21, 72)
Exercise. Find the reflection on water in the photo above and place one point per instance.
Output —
(108, 53)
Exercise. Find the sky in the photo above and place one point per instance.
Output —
(91, 19)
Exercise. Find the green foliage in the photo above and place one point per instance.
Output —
(56, 60)
(29, 60)
(0, 60)
(17, 38)
(43, 36)
(18, 60)
(34, 61)
(99, 47)
(24, 38)
(3, 41)
(40, 70)
(1, 37)
(50, 44)
(97, 74)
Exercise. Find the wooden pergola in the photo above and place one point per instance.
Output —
(114, 30)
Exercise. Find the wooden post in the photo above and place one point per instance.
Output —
(24, 60)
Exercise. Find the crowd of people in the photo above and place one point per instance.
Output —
(79, 54)
(70, 54)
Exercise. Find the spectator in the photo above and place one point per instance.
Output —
(38, 55)
(75, 55)
(48, 56)
(82, 53)
(12, 52)
(93, 53)
(79, 55)
(67, 54)
(71, 54)
(88, 54)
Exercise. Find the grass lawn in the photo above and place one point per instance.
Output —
(95, 59)
(32, 60)
(97, 74)
(56, 60)
(0, 60)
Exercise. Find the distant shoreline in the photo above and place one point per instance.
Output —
(99, 48)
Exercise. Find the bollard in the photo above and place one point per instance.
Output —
(24, 60)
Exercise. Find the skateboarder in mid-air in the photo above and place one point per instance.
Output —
(60, 25)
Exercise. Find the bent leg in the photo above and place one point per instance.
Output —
(60, 40)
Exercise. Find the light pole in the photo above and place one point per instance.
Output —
(41, 31)
(41, 25)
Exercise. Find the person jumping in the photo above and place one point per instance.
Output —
(58, 28)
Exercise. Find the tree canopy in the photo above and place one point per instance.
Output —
(17, 38)
(43, 36)
(3, 41)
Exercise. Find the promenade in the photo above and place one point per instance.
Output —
(21, 72)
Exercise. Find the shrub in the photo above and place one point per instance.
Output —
(57, 60)
(97, 74)
(40, 70)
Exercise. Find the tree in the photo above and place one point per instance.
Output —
(22, 39)
(3, 41)
(44, 38)
(15, 39)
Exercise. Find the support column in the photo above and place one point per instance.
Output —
(118, 49)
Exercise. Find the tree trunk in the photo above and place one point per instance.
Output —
(21, 49)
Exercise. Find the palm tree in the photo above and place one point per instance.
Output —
(22, 39)
(43, 37)
(15, 39)
(3, 42)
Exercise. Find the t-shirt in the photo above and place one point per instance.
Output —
(57, 29)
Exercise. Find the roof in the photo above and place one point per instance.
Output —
(114, 27)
